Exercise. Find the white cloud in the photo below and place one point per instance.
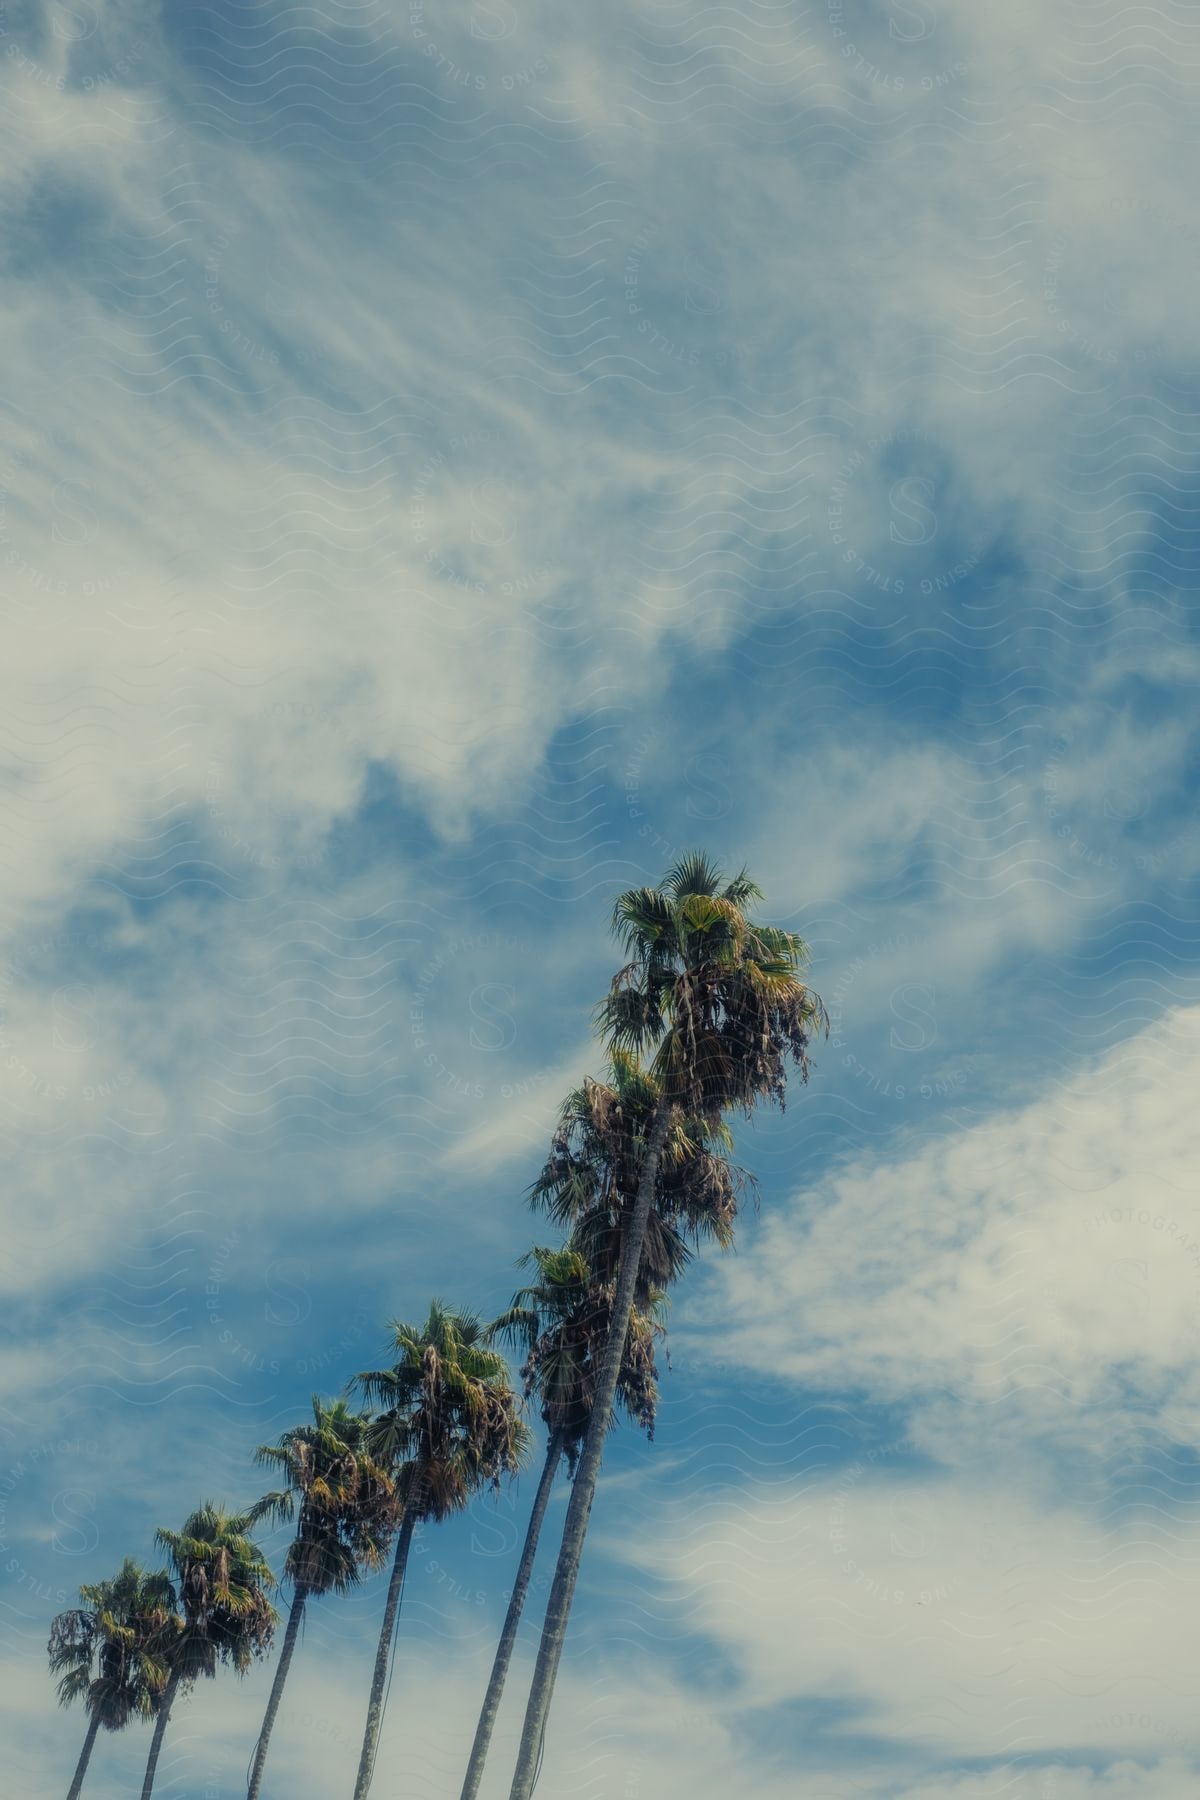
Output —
(199, 555)
(1040, 1269)
(954, 1618)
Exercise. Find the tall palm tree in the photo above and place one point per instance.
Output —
(451, 1424)
(348, 1512)
(223, 1582)
(111, 1652)
(718, 1003)
(561, 1318)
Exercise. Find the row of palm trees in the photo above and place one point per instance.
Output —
(701, 1020)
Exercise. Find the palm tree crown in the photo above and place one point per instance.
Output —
(591, 1176)
(450, 1421)
(716, 997)
(223, 1581)
(111, 1652)
(346, 1500)
(562, 1318)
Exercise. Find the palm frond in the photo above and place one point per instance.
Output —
(694, 873)
(110, 1651)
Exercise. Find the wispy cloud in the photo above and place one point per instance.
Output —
(454, 460)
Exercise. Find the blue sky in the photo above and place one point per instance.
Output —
(456, 459)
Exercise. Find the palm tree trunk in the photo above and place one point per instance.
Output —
(281, 1675)
(512, 1619)
(412, 1510)
(583, 1491)
(160, 1732)
(84, 1758)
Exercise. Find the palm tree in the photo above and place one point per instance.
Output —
(450, 1425)
(111, 1652)
(589, 1182)
(223, 1581)
(718, 1003)
(561, 1318)
(348, 1512)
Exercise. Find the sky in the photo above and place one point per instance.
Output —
(455, 459)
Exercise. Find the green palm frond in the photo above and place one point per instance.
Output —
(563, 1317)
(715, 999)
(343, 1499)
(741, 889)
(694, 873)
(449, 1420)
(223, 1582)
(595, 1161)
(111, 1651)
